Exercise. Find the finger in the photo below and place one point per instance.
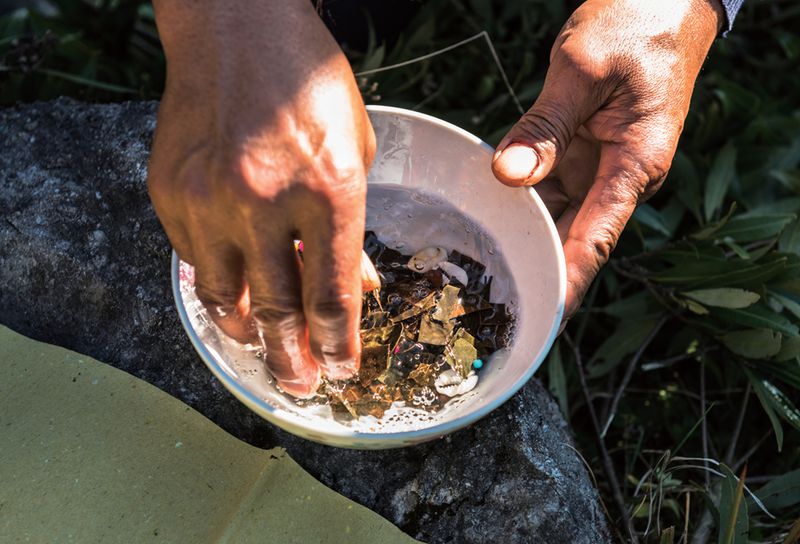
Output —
(565, 221)
(370, 279)
(369, 275)
(594, 230)
(272, 271)
(180, 242)
(219, 284)
(176, 232)
(332, 283)
(551, 191)
(535, 145)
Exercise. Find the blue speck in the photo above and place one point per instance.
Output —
(477, 363)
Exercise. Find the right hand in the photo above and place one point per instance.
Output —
(602, 134)
(263, 138)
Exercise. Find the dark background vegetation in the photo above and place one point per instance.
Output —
(688, 342)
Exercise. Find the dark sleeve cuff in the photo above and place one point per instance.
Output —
(732, 7)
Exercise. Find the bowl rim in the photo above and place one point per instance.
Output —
(289, 421)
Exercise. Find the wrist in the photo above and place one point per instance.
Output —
(203, 39)
(713, 12)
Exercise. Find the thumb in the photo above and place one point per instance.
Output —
(535, 145)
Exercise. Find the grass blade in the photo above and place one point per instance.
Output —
(732, 520)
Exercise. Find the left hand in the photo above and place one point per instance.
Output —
(602, 134)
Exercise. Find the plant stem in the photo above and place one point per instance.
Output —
(743, 459)
(738, 429)
(703, 425)
(626, 378)
(608, 466)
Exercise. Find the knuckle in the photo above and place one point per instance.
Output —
(598, 246)
(658, 169)
(217, 296)
(159, 186)
(648, 176)
(197, 192)
(583, 64)
(330, 313)
(602, 248)
(281, 316)
(336, 351)
(546, 126)
(656, 176)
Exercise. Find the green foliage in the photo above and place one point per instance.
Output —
(711, 264)
(733, 521)
(100, 50)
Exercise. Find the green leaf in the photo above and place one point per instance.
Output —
(638, 304)
(626, 339)
(786, 371)
(781, 492)
(753, 344)
(684, 175)
(684, 252)
(713, 273)
(736, 100)
(711, 229)
(733, 521)
(745, 229)
(757, 317)
(719, 180)
(788, 302)
(557, 379)
(790, 238)
(647, 215)
(731, 244)
(695, 307)
(724, 297)
(782, 405)
(374, 60)
(789, 349)
(788, 178)
(766, 404)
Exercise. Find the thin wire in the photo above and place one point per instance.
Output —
(483, 34)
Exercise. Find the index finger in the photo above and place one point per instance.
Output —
(272, 272)
(591, 232)
(332, 264)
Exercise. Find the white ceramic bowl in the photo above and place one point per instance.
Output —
(436, 163)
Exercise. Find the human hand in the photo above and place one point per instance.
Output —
(263, 138)
(602, 134)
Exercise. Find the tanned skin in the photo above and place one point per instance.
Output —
(263, 138)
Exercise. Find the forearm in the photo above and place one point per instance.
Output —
(214, 41)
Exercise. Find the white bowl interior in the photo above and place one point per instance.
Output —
(424, 170)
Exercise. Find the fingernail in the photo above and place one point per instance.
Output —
(516, 162)
(500, 147)
(299, 390)
(369, 275)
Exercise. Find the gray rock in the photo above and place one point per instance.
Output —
(84, 264)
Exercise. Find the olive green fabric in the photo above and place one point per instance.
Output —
(90, 454)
